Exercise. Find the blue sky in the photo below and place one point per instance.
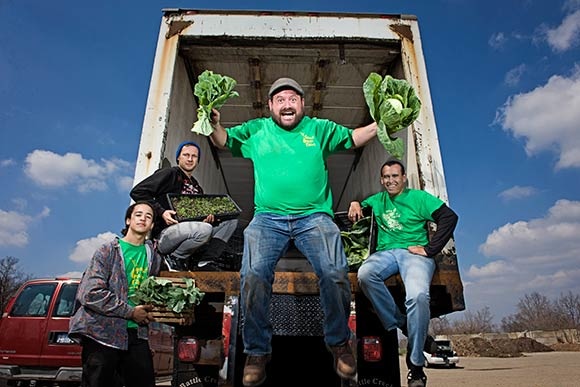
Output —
(505, 84)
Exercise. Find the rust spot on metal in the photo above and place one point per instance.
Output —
(402, 30)
(176, 26)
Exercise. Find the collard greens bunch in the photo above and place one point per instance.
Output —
(161, 292)
(212, 91)
(393, 105)
(356, 242)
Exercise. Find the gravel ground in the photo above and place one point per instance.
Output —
(538, 369)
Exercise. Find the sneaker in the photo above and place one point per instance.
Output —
(344, 363)
(175, 264)
(255, 370)
(416, 377)
(207, 266)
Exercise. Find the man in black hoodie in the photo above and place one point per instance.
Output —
(178, 241)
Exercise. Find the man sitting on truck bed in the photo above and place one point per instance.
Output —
(178, 241)
(293, 202)
(403, 247)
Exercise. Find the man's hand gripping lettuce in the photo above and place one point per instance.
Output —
(393, 105)
(212, 91)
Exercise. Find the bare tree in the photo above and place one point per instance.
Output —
(440, 326)
(568, 307)
(535, 312)
(10, 279)
(479, 322)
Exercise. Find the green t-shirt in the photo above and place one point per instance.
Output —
(401, 220)
(136, 268)
(290, 171)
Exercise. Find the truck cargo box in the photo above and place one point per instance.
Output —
(330, 55)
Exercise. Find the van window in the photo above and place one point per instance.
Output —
(66, 300)
(33, 301)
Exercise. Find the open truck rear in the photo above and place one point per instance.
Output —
(330, 55)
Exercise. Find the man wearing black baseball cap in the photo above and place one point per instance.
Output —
(293, 202)
(179, 241)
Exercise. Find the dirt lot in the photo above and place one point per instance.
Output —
(538, 369)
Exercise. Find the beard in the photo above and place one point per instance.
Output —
(286, 124)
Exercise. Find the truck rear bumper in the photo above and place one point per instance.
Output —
(62, 374)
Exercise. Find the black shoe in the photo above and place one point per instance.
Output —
(175, 264)
(416, 377)
(207, 266)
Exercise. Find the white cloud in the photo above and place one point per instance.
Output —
(125, 183)
(566, 35)
(14, 226)
(85, 248)
(52, 170)
(517, 192)
(572, 5)
(7, 163)
(497, 40)
(512, 77)
(539, 255)
(495, 268)
(547, 118)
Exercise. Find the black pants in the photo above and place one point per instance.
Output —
(109, 367)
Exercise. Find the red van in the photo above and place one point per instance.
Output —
(35, 349)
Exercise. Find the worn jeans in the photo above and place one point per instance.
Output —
(266, 239)
(183, 239)
(416, 272)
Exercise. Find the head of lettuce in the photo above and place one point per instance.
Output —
(212, 91)
(394, 106)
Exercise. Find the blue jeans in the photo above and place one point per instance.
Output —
(183, 239)
(266, 239)
(416, 272)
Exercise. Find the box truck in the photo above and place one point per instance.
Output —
(330, 55)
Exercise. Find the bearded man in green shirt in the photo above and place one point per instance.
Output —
(293, 202)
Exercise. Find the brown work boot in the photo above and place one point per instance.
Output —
(255, 370)
(344, 363)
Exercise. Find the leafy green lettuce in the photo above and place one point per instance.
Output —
(356, 242)
(393, 105)
(212, 91)
(161, 292)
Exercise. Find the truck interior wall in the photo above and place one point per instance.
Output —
(180, 120)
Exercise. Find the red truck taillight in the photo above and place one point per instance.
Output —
(372, 348)
(188, 349)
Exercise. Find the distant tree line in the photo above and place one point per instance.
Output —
(534, 312)
(11, 278)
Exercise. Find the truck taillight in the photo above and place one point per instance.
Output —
(188, 349)
(372, 348)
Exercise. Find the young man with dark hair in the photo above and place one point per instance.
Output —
(111, 329)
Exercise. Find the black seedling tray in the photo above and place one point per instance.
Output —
(198, 207)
